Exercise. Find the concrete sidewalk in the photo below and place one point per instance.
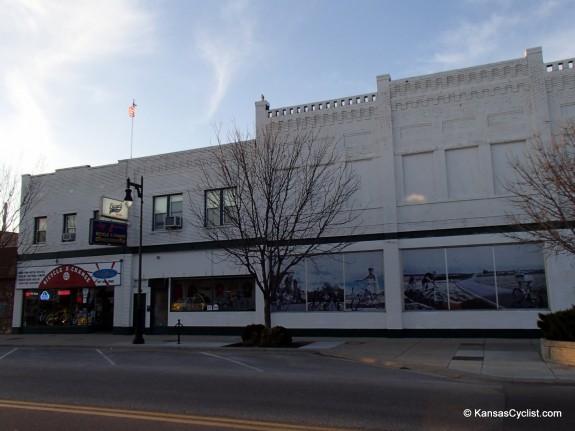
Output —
(505, 359)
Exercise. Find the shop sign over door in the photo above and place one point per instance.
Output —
(108, 233)
(58, 276)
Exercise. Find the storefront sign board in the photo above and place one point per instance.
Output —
(108, 233)
(63, 276)
(113, 208)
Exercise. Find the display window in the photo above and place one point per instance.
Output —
(499, 277)
(339, 282)
(62, 307)
(212, 294)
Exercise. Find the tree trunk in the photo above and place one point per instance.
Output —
(267, 310)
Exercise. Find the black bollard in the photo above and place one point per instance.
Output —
(179, 327)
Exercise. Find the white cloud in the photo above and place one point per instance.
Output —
(509, 28)
(68, 32)
(469, 42)
(546, 8)
(48, 51)
(227, 45)
(25, 133)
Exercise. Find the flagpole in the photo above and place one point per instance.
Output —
(132, 114)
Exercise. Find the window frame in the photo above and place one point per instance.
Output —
(169, 211)
(69, 228)
(223, 211)
(37, 231)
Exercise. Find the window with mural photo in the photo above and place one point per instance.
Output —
(364, 281)
(325, 283)
(291, 293)
(340, 282)
(510, 276)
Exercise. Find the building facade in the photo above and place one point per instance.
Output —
(428, 257)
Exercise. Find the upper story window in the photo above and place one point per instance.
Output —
(69, 231)
(220, 206)
(168, 211)
(40, 226)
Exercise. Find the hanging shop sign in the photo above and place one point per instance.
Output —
(64, 276)
(104, 232)
(113, 208)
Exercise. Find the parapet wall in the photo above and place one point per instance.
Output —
(344, 104)
(560, 86)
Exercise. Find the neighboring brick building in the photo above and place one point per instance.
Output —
(8, 260)
(431, 152)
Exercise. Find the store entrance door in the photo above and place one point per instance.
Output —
(159, 309)
(107, 319)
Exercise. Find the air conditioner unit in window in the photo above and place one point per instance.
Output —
(68, 236)
(173, 222)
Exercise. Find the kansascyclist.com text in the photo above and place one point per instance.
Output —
(512, 413)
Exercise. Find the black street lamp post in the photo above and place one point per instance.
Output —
(138, 337)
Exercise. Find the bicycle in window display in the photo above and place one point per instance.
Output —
(283, 300)
(227, 303)
(425, 298)
(327, 298)
(62, 317)
(367, 299)
(314, 300)
(432, 295)
(523, 294)
(190, 303)
(330, 302)
(325, 301)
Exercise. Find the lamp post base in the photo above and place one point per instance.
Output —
(138, 339)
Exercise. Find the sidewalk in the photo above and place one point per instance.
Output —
(505, 359)
(496, 358)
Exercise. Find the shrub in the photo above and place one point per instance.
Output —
(278, 336)
(559, 325)
(252, 334)
(259, 335)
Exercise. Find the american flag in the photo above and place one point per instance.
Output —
(132, 110)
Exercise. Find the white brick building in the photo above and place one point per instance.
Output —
(432, 152)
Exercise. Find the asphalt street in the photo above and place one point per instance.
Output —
(255, 389)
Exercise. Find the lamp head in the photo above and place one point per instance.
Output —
(128, 200)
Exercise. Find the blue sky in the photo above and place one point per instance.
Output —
(71, 68)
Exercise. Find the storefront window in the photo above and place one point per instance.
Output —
(212, 294)
(292, 291)
(339, 282)
(483, 277)
(324, 285)
(62, 307)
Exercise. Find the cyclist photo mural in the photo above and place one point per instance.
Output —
(510, 276)
(341, 282)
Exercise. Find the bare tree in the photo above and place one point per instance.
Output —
(287, 197)
(16, 202)
(544, 192)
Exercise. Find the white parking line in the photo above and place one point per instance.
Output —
(106, 358)
(234, 361)
(9, 353)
